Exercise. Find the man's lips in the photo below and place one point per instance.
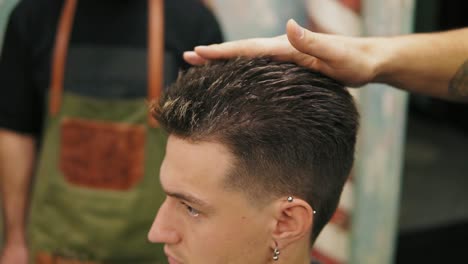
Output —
(171, 258)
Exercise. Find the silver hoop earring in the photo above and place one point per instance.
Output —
(276, 253)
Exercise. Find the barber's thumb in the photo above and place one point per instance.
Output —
(298, 36)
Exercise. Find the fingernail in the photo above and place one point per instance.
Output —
(200, 47)
(298, 30)
(189, 53)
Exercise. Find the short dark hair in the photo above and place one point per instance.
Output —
(291, 130)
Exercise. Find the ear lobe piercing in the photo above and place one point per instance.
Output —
(276, 253)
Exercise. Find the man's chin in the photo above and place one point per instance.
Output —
(171, 258)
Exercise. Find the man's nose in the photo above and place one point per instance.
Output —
(162, 230)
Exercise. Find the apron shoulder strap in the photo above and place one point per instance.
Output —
(155, 53)
(60, 54)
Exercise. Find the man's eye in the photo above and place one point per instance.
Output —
(191, 211)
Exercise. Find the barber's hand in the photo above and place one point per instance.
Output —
(14, 253)
(351, 60)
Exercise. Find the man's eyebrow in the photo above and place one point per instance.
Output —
(187, 197)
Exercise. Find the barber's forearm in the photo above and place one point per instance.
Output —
(17, 157)
(432, 64)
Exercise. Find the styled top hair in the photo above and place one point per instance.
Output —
(292, 131)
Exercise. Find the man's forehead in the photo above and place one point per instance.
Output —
(196, 165)
(201, 155)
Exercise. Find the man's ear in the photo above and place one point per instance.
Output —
(294, 221)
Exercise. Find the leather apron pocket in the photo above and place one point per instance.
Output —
(45, 258)
(102, 155)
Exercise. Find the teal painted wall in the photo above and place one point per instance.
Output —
(380, 159)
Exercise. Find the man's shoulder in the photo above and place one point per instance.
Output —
(191, 10)
(193, 23)
(33, 14)
(38, 7)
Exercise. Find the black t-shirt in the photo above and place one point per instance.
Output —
(106, 56)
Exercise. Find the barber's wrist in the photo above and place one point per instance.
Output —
(384, 50)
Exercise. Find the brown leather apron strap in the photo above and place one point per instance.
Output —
(60, 54)
(155, 53)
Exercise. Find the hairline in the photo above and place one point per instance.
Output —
(236, 168)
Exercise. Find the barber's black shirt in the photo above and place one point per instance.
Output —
(106, 56)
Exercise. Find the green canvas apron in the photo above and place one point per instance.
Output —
(97, 190)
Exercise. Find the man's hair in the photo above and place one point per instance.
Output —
(292, 131)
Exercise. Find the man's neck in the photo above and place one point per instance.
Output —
(297, 253)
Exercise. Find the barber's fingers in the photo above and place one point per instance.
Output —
(351, 60)
(255, 47)
(232, 49)
(321, 46)
(193, 58)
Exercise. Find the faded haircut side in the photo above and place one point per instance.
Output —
(291, 130)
